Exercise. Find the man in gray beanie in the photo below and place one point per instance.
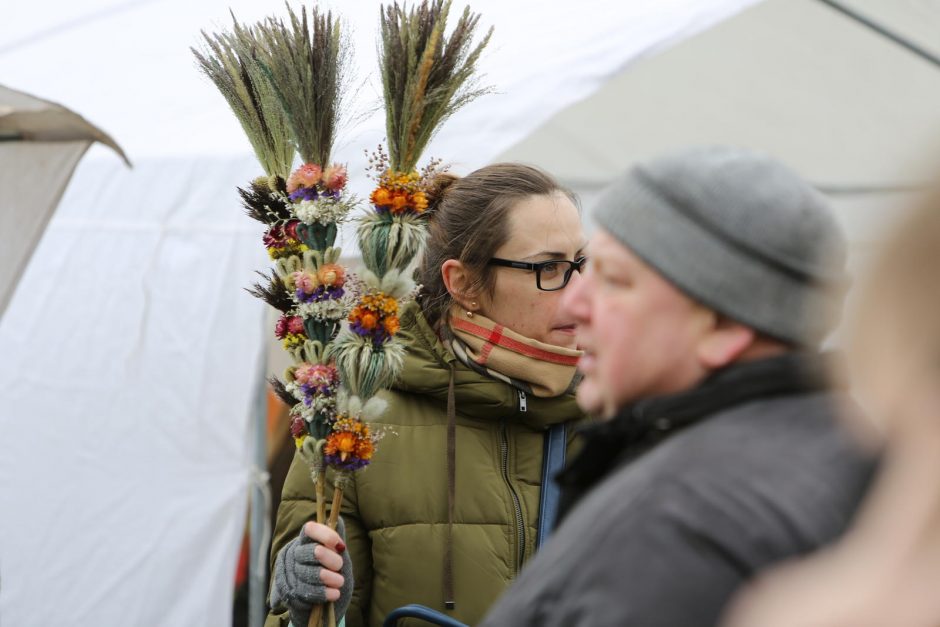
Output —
(714, 276)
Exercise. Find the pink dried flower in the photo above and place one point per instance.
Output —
(281, 328)
(304, 281)
(304, 373)
(295, 324)
(274, 238)
(334, 179)
(290, 229)
(307, 175)
(318, 376)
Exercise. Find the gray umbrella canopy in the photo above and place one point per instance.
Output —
(847, 93)
(40, 144)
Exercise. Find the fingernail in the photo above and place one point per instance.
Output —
(340, 546)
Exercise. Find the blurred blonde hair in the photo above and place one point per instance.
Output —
(894, 343)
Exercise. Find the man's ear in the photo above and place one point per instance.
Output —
(457, 281)
(724, 342)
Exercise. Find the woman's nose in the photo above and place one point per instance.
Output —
(573, 300)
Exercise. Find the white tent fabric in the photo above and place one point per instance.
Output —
(129, 355)
(850, 109)
(544, 56)
(129, 359)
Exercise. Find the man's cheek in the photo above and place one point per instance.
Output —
(589, 397)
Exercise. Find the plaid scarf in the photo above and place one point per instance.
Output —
(493, 350)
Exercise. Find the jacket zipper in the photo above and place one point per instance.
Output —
(520, 525)
(522, 402)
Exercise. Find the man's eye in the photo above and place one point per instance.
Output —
(616, 280)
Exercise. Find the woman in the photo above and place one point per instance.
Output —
(448, 510)
(885, 570)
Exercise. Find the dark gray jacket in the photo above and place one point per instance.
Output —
(677, 501)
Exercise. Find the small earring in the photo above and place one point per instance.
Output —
(469, 314)
(473, 304)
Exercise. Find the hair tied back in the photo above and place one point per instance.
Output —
(437, 190)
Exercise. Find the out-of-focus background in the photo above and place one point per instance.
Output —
(134, 418)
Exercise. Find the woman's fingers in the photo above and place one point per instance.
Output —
(332, 581)
(327, 558)
(325, 536)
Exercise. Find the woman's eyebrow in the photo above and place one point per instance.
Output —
(547, 253)
(551, 254)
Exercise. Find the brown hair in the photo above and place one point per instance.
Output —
(469, 218)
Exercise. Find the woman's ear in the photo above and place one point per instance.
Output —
(724, 342)
(457, 281)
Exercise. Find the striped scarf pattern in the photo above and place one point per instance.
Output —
(491, 349)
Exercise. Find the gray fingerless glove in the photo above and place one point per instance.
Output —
(297, 584)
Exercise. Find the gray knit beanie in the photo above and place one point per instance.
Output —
(739, 233)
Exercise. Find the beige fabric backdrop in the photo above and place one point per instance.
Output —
(33, 176)
(41, 142)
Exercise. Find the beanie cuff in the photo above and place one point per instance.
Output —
(714, 270)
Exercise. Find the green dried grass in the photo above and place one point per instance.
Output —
(229, 60)
(305, 63)
(426, 75)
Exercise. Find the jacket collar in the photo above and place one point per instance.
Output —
(640, 426)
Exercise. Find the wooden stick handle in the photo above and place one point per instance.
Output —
(316, 616)
(334, 520)
(335, 507)
(321, 496)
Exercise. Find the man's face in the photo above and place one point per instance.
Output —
(638, 332)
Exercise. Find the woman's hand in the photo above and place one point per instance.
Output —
(311, 569)
(328, 547)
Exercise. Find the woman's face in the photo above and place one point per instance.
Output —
(541, 228)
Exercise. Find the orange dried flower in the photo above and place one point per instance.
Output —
(380, 197)
(419, 201)
(341, 443)
(368, 321)
(399, 202)
(365, 448)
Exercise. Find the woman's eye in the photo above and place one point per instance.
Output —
(550, 269)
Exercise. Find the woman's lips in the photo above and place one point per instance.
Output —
(569, 329)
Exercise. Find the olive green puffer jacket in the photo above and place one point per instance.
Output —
(395, 510)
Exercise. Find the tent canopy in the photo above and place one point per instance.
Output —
(28, 118)
(40, 144)
(847, 106)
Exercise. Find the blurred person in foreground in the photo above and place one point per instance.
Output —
(884, 572)
(714, 276)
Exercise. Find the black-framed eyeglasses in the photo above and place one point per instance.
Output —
(550, 275)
